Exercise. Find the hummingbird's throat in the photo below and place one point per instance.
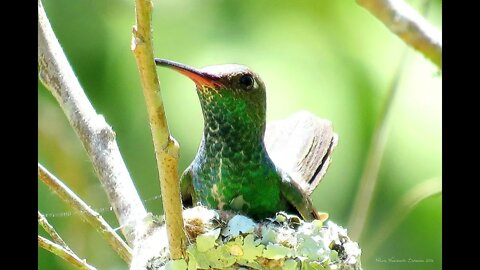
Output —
(233, 126)
(237, 139)
(206, 89)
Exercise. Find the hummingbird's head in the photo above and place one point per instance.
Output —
(232, 96)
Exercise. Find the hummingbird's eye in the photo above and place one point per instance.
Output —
(246, 81)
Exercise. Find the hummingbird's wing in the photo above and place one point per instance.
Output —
(300, 201)
(301, 145)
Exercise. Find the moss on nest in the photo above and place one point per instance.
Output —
(224, 240)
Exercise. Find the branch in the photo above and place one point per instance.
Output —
(166, 148)
(419, 193)
(64, 254)
(51, 231)
(87, 214)
(369, 179)
(95, 134)
(409, 25)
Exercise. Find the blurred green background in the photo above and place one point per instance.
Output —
(332, 58)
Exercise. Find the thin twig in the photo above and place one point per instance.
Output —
(63, 253)
(424, 190)
(409, 25)
(368, 181)
(166, 148)
(87, 214)
(51, 231)
(95, 134)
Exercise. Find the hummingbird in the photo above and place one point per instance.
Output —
(232, 169)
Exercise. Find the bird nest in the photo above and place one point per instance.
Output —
(225, 240)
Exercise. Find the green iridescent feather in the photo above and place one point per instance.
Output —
(232, 169)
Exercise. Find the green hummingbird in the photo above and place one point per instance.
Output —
(232, 169)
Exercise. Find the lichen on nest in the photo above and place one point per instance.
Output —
(225, 240)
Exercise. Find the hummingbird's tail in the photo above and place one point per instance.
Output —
(301, 145)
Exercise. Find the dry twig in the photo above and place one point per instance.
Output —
(166, 148)
(409, 25)
(95, 134)
(63, 253)
(87, 214)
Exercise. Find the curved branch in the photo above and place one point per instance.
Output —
(166, 148)
(369, 178)
(61, 252)
(87, 214)
(409, 25)
(402, 209)
(42, 221)
(95, 134)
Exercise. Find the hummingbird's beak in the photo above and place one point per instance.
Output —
(200, 78)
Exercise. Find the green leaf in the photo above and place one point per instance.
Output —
(318, 266)
(201, 259)
(176, 265)
(268, 235)
(253, 265)
(308, 248)
(334, 256)
(234, 247)
(275, 252)
(251, 248)
(226, 258)
(192, 263)
(290, 265)
(207, 240)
